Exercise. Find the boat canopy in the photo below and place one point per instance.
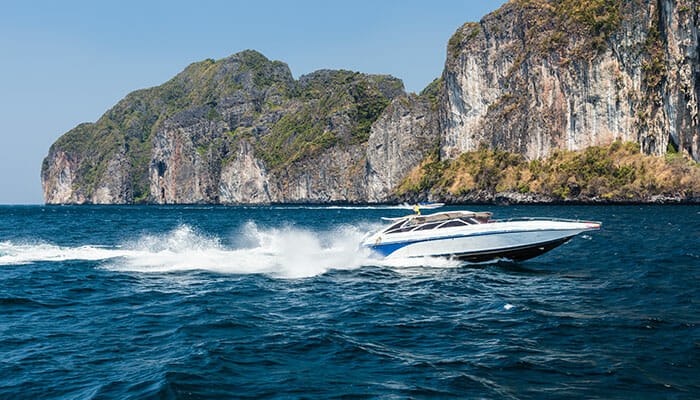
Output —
(441, 216)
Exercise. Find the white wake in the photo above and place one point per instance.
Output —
(279, 252)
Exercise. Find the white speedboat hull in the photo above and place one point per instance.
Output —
(516, 240)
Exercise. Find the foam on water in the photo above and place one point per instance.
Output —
(286, 252)
(25, 253)
(279, 252)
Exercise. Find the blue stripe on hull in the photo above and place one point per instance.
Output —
(386, 249)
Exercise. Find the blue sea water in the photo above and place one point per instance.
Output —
(277, 302)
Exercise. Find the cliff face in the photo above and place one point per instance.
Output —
(531, 78)
(539, 75)
(242, 130)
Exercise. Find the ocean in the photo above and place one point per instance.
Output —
(140, 302)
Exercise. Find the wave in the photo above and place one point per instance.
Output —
(285, 252)
(279, 252)
(25, 253)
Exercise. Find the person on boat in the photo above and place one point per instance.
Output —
(416, 209)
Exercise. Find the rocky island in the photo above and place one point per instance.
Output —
(540, 101)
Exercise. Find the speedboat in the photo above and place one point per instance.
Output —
(472, 236)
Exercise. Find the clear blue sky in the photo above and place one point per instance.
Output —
(67, 62)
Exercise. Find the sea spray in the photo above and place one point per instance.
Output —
(280, 252)
(283, 252)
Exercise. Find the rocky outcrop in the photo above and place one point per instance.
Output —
(368, 172)
(244, 180)
(57, 178)
(407, 131)
(60, 186)
(561, 74)
(679, 22)
(115, 187)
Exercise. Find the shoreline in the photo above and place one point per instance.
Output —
(497, 201)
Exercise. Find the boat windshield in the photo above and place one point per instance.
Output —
(427, 226)
(443, 221)
(404, 229)
(395, 226)
(453, 223)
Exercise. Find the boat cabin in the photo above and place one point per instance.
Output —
(438, 221)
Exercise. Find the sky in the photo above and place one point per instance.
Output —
(67, 62)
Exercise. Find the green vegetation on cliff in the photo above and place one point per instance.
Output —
(461, 37)
(616, 172)
(433, 90)
(296, 136)
(549, 25)
(553, 22)
(329, 108)
(125, 129)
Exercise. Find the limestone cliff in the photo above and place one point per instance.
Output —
(243, 130)
(539, 75)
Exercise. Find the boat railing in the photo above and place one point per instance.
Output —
(517, 219)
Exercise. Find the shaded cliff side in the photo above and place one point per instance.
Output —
(532, 78)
